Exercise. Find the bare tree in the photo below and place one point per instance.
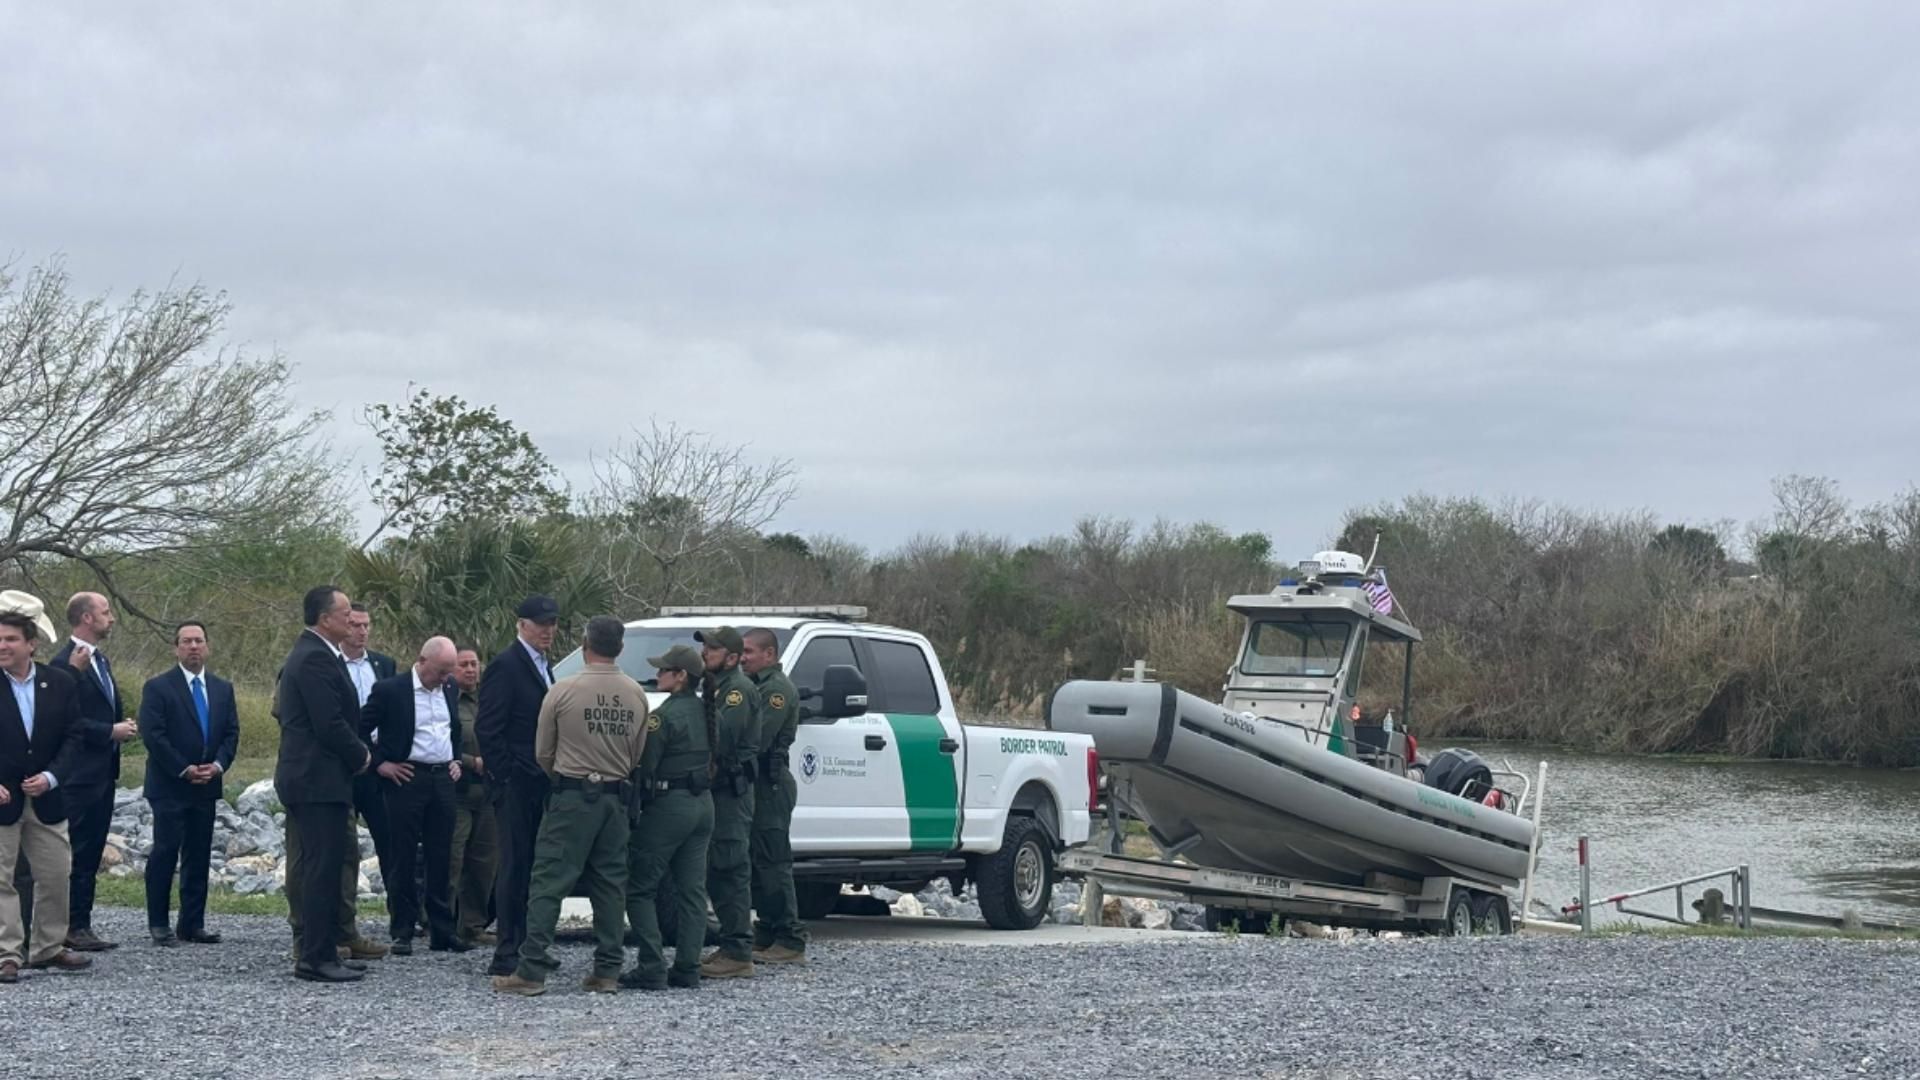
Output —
(677, 508)
(122, 434)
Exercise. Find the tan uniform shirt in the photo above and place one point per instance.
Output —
(592, 725)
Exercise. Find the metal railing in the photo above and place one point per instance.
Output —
(1739, 895)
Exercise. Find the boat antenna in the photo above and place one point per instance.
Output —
(1372, 554)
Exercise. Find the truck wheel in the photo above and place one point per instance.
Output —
(1492, 915)
(817, 899)
(1459, 920)
(1015, 883)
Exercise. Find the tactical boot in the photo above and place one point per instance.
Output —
(683, 980)
(362, 949)
(514, 984)
(719, 965)
(632, 979)
(779, 954)
(600, 984)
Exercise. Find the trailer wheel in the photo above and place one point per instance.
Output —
(1460, 918)
(1492, 915)
(816, 899)
(1015, 884)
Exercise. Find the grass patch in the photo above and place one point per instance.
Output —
(131, 892)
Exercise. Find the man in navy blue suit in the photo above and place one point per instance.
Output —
(104, 725)
(192, 729)
(511, 690)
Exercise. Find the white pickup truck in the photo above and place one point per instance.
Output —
(895, 790)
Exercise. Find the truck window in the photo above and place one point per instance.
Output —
(820, 654)
(901, 682)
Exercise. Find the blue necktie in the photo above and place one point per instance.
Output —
(200, 706)
(105, 675)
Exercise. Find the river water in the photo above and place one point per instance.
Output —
(1819, 838)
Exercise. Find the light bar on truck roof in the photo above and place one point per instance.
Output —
(840, 612)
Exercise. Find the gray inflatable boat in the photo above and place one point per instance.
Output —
(1283, 778)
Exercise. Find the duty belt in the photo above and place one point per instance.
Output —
(772, 764)
(592, 783)
(693, 784)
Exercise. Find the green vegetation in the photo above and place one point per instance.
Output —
(1611, 632)
(131, 892)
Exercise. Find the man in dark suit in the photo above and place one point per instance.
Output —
(103, 727)
(366, 667)
(191, 726)
(320, 753)
(511, 690)
(417, 758)
(40, 739)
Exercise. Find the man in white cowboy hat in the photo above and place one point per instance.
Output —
(39, 743)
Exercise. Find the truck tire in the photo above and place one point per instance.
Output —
(1015, 884)
(816, 899)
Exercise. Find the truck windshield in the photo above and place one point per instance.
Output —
(1296, 647)
(645, 641)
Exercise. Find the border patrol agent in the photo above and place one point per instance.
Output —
(779, 937)
(735, 706)
(676, 825)
(592, 731)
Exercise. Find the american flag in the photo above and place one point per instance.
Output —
(1377, 591)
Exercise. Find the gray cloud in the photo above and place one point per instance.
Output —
(998, 267)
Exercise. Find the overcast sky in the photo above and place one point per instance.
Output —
(996, 267)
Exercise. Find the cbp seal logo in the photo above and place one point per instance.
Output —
(735, 697)
(778, 701)
(809, 765)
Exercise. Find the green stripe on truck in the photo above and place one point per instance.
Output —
(932, 789)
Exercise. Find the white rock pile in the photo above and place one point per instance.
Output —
(249, 843)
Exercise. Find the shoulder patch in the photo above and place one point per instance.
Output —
(778, 701)
(735, 697)
(653, 722)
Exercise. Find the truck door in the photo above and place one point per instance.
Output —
(846, 771)
(924, 739)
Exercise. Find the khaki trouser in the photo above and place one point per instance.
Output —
(46, 847)
(475, 856)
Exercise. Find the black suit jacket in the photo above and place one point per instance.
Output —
(389, 710)
(511, 690)
(99, 760)
(320, 747)
(55, 746)
(170, 726)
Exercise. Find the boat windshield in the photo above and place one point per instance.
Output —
(1296, 647)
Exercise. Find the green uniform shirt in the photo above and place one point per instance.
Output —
(676, 740)
(736, 711)
(779, 709)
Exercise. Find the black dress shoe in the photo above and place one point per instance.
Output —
(326, 973)
(403, 946)
(163, 937)
(84, 940)
(453, 945)
(354, 965)
(199, 937)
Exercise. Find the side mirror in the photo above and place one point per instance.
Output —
(842, 693)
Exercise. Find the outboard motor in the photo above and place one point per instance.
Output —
(1460, 772)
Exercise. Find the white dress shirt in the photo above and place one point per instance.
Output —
(539, 662)
(361, 671)
(432, 725)
(25, 699)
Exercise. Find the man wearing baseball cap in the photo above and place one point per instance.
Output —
(735, 707)
(511, 691)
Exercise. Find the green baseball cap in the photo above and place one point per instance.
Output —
(680, 658)
(725, 636)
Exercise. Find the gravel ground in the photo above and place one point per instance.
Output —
(1522, 1007)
